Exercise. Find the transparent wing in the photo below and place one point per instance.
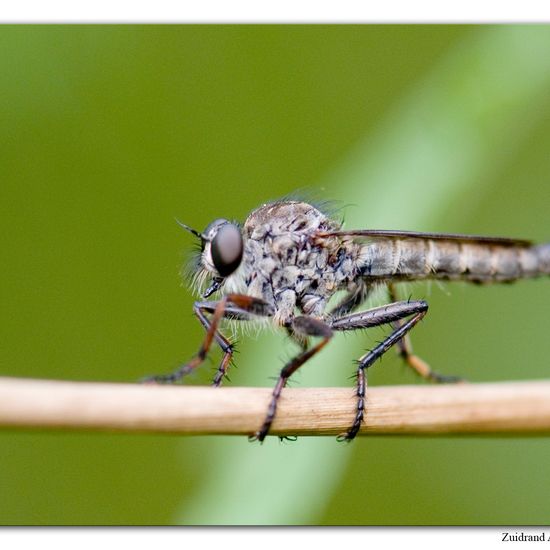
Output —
(391, 234)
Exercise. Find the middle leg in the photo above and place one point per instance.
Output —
(303, 326)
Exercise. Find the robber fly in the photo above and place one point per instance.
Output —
(289, 258)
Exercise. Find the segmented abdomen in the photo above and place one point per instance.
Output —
(412, 259)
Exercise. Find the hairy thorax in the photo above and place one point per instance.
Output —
(285, 265)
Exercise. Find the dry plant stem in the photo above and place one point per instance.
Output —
(496, 408)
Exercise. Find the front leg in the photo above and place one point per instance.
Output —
(226, 346)
(234, 306)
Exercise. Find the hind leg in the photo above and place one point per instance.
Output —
(416, 363)
(375, 317)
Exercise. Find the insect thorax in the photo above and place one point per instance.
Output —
(286, 266)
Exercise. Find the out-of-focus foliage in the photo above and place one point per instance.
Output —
(109, 132)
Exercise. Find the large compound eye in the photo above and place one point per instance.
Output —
(227, 249)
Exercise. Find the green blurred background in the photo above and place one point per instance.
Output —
(109, 132)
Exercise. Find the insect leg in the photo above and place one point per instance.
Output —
(388, 314)
(351, 300)
(234, 306)
(226, 346)
(307, 326)
(247, 306)
(416, 363)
